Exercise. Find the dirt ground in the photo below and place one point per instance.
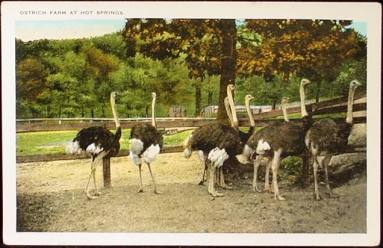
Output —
(51, 198)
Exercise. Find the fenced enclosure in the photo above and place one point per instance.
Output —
(174, 125)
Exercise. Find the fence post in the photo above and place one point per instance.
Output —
(106, 172)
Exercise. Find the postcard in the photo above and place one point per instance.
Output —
(191, 123)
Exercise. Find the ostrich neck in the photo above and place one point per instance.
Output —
(251, 118)
(284, 112)
(115, 116)
(234, 114)
(153, 115)
(228, 111)
(303, 106)
(350, 102)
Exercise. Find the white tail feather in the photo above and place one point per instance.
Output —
(136, 146)
(151, 153)
(262, 147)
(73, 148)
(187, 152)
(217, 157)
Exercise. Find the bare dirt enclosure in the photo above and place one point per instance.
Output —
(51, 198)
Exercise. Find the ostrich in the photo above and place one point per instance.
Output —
(327, 138)
(145, 144)
(99, 142)
(277, 141)
(217, 142)
(244, 136)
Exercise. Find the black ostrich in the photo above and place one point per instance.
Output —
(218, 142)
(244, 136)
(327, 138)
(99, 142)
(145, 144)
(277, 141)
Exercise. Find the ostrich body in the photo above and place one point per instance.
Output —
(277, 141)
(217, 142)
(145, 144)
(99, 142)
(327, 138)
(244, 136)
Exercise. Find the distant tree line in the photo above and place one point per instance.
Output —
(188, 63)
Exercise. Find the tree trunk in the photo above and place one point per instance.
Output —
(197, 99)
(318, 91)
(209, 98)
(274, 104)
(228, 63)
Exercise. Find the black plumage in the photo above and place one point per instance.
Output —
(148, 134)
(215, 135)
(100, 137)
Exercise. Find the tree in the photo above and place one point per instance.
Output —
(307, 48)
(208, 45)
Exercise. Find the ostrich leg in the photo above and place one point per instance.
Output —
(212, 178)
(93, 174)
(257, 162)
(325, 162)
(315, 171)
(274, 166)
(154, 182)
(203, 179)
(141, 189)
(221, 181)
(267, 173)
(92, 167)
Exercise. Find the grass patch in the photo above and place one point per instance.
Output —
(51, 142)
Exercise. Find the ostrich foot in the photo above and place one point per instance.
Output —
(97, 193)
(332, 194)
(201, 182)
(268, 190)
(225, 186)
(91, 197)
(317, 197)
(216, 194)
(256, 189)
(140, 190)
(279, 198)
(156, 192)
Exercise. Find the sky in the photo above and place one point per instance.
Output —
(67, 29)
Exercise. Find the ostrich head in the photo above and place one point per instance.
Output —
(231, 87)
(154, 95)
(113, 95)
(249, 98)
(355, 84)
(305, 81)
(285, 100)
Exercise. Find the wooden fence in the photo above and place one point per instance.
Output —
(337, 105)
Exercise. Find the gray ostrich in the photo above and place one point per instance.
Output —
(277, 141)
(99, 142)
(218, 142)
(145, 144)
(244, 136)
(327, 138)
